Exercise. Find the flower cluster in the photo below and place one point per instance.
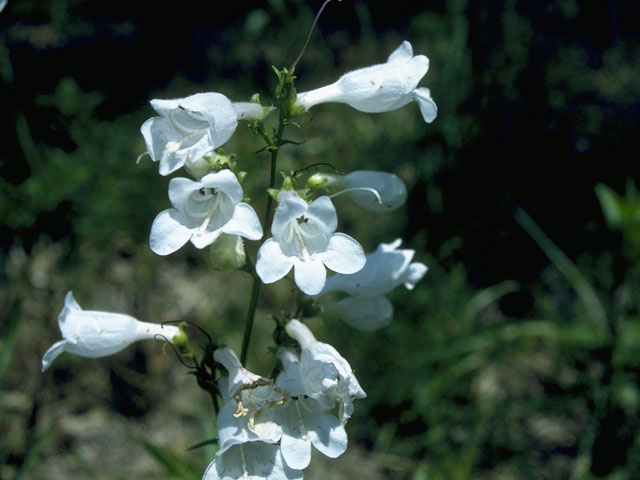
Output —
(268, 426)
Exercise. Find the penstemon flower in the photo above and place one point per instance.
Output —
(322, 373)
(96, 334)
(191, 127)
(378, 192)
(305, 421)
(386, 268)
(380, 88)
(304, 238)
(203, 210)
(247, 414)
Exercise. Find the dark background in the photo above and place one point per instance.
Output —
(496, 364)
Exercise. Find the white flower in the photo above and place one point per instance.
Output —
(380, 88)
(3, 3)
(250, 461)
(304, 421)
(386, 268)
(190, 127)
(304, 238)
(96, 334)
(248, 412)
(378, 192)
(202, 211)
(322, 373)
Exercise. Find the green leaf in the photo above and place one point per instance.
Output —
(611, 206)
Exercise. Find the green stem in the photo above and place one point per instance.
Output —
(255, 288)
(214, 400)
(248, 326)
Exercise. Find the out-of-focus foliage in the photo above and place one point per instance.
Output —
(623, 215)
(511, 359)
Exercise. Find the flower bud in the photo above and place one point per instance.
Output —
(228, 253)
(197, 168)
(318, 180)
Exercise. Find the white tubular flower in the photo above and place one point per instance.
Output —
(250, 399)
(202, 211)
(378, 192)
(190, 127)
(323, 374)
(305, 422)
(386, 268)
(250, 461)
(304, 238)
(96, 334)
(380, 88)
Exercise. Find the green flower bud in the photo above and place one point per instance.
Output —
(317, 180)
(227, 252)
(198, 168)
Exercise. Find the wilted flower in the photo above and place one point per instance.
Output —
(304, 238)
(379, 192)
(386, 268)
(190, 127)
(96, 334)
(247, 414)
(322, 373)
(203, 210)
(380, 88)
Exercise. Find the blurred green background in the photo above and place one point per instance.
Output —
(517, 357)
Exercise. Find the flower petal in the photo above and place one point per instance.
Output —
(343, 255)
(272, 264)
(323, 211)
(328, 435)
(158, 133)
(428, 107)
(168, 232)
(296, 451)
(218, 111)
(52, 353)
(289, 208)
(201, 239)
(414, 274)
(401, 54)
(295, 444)
(244, 222)
(310, 275)
(226, 181)
(179, 190)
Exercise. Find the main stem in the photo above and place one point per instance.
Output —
(255, 288)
